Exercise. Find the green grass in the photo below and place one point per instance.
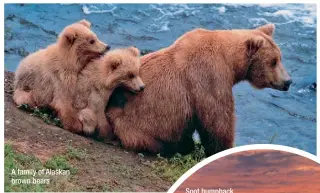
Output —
(46, 114)
(75, 153)
(60, 162)
(14, 161)
(173, 168)
(106, 188)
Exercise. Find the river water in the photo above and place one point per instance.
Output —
(263, 116)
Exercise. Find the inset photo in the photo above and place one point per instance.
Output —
(252, 169)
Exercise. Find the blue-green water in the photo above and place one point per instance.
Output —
(288, 118)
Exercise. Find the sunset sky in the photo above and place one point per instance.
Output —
(262, 171)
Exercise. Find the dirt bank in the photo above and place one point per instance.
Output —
(97, 166)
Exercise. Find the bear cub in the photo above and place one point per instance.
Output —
(48, 77)
(118, 68)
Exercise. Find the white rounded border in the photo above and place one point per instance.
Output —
(204, 162)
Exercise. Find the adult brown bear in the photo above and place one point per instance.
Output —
(189, 87)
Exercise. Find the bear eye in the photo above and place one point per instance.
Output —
(274, 63)
(130, 76)
(92, 41)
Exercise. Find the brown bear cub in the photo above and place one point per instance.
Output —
(97, 81)
(48, 77)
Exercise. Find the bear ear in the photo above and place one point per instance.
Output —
(135, 51)
(85, 23)
(115, 64)
(254, 44)
(267, 29)
(70, 35)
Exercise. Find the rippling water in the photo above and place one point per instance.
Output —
(287, 118)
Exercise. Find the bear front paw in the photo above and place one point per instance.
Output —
(72, 124)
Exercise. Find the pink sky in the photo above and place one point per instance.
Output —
(263, 171)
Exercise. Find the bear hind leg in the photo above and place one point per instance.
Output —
(186, 144)
(214, 143)
(140, 142)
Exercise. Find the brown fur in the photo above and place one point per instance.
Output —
(189, 86)
(48, 77)
(98, 80)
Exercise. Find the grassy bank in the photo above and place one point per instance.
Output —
(168, 168)
(173, 168)
(17, 179)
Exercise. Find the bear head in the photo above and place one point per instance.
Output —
(81, 42)
(264, 57)
(122, 66)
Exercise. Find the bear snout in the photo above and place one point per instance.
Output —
(142, 88)
(284, 86)
(287, 84)
(107, 48)
(139, 88)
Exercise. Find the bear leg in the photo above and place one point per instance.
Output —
(68, 116)
(215, 142)
(169, 149)
(88, 120)
(139, 142)
(215, 118)
(186, 144)
(104, 128)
